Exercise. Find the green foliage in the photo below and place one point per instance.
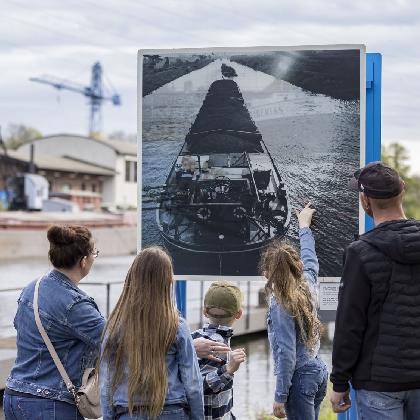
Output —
(19, 134)
(158, 71)
(332, 73)
(325, 412)
(396, 156)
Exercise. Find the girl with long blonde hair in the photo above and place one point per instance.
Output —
(293, 325)
(148, 367)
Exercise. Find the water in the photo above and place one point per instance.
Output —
(314, 140)
(254, 382)
(16, 274)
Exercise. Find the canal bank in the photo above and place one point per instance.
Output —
(23, 234)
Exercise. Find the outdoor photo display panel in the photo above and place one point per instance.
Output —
(233, 140)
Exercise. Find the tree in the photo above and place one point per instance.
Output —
(19, 134)
(396, 155)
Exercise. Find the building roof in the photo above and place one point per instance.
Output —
(63, 164)
(120, 147)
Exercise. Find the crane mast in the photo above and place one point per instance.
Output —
(95, 92)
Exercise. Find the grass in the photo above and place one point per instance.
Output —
(325, 413)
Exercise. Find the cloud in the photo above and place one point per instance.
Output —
(65, 38)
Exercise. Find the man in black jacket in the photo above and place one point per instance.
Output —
(377, 329)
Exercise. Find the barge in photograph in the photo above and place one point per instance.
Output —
(224, 198)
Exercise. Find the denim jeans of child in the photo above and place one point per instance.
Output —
(309, 387)
(403, 405)
(169, 412)
(22, 408)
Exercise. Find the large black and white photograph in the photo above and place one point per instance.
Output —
(232, 141)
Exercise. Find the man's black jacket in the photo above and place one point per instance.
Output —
(377, 329)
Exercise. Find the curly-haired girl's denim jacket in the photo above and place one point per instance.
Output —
(289, 350)
(74, 325)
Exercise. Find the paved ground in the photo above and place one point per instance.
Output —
(8, 343)
(7, 356)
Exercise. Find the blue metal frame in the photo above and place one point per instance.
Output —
(181, 296)
(373, 113)
(373, 152)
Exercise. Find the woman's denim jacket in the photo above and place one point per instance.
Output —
(289, 350)
(185, 384)
(74, 325)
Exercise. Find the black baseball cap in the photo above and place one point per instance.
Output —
(377, 180)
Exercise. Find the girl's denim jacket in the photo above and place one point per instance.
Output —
(185, 384)
(74, 325)
(289, 350)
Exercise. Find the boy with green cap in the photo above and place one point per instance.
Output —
(222, 306)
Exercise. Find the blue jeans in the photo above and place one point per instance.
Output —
(22, 408)
(309, 387)
(169, 412)
(403, 405)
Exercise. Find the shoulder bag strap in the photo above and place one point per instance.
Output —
(50, 347)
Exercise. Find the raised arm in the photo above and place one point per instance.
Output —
(307, 243)
(308, 255)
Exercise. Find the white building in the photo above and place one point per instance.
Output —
(117, 156)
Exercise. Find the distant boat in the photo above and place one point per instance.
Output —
(228, 71)
(224, 194)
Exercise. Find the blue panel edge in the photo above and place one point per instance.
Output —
(373, 113)
(373, 152)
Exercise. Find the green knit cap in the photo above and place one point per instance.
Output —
(223, 295)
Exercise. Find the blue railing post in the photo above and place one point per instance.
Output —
(373, 152)
(350, 414)
(181, 297)
(343, 416)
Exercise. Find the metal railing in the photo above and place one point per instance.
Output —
(106, 284)
(180, 292)
(181, 299)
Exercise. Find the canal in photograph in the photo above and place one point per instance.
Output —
(314, 140)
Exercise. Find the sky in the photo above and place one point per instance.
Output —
(64, 39)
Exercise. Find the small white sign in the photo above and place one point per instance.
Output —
(328, 296)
